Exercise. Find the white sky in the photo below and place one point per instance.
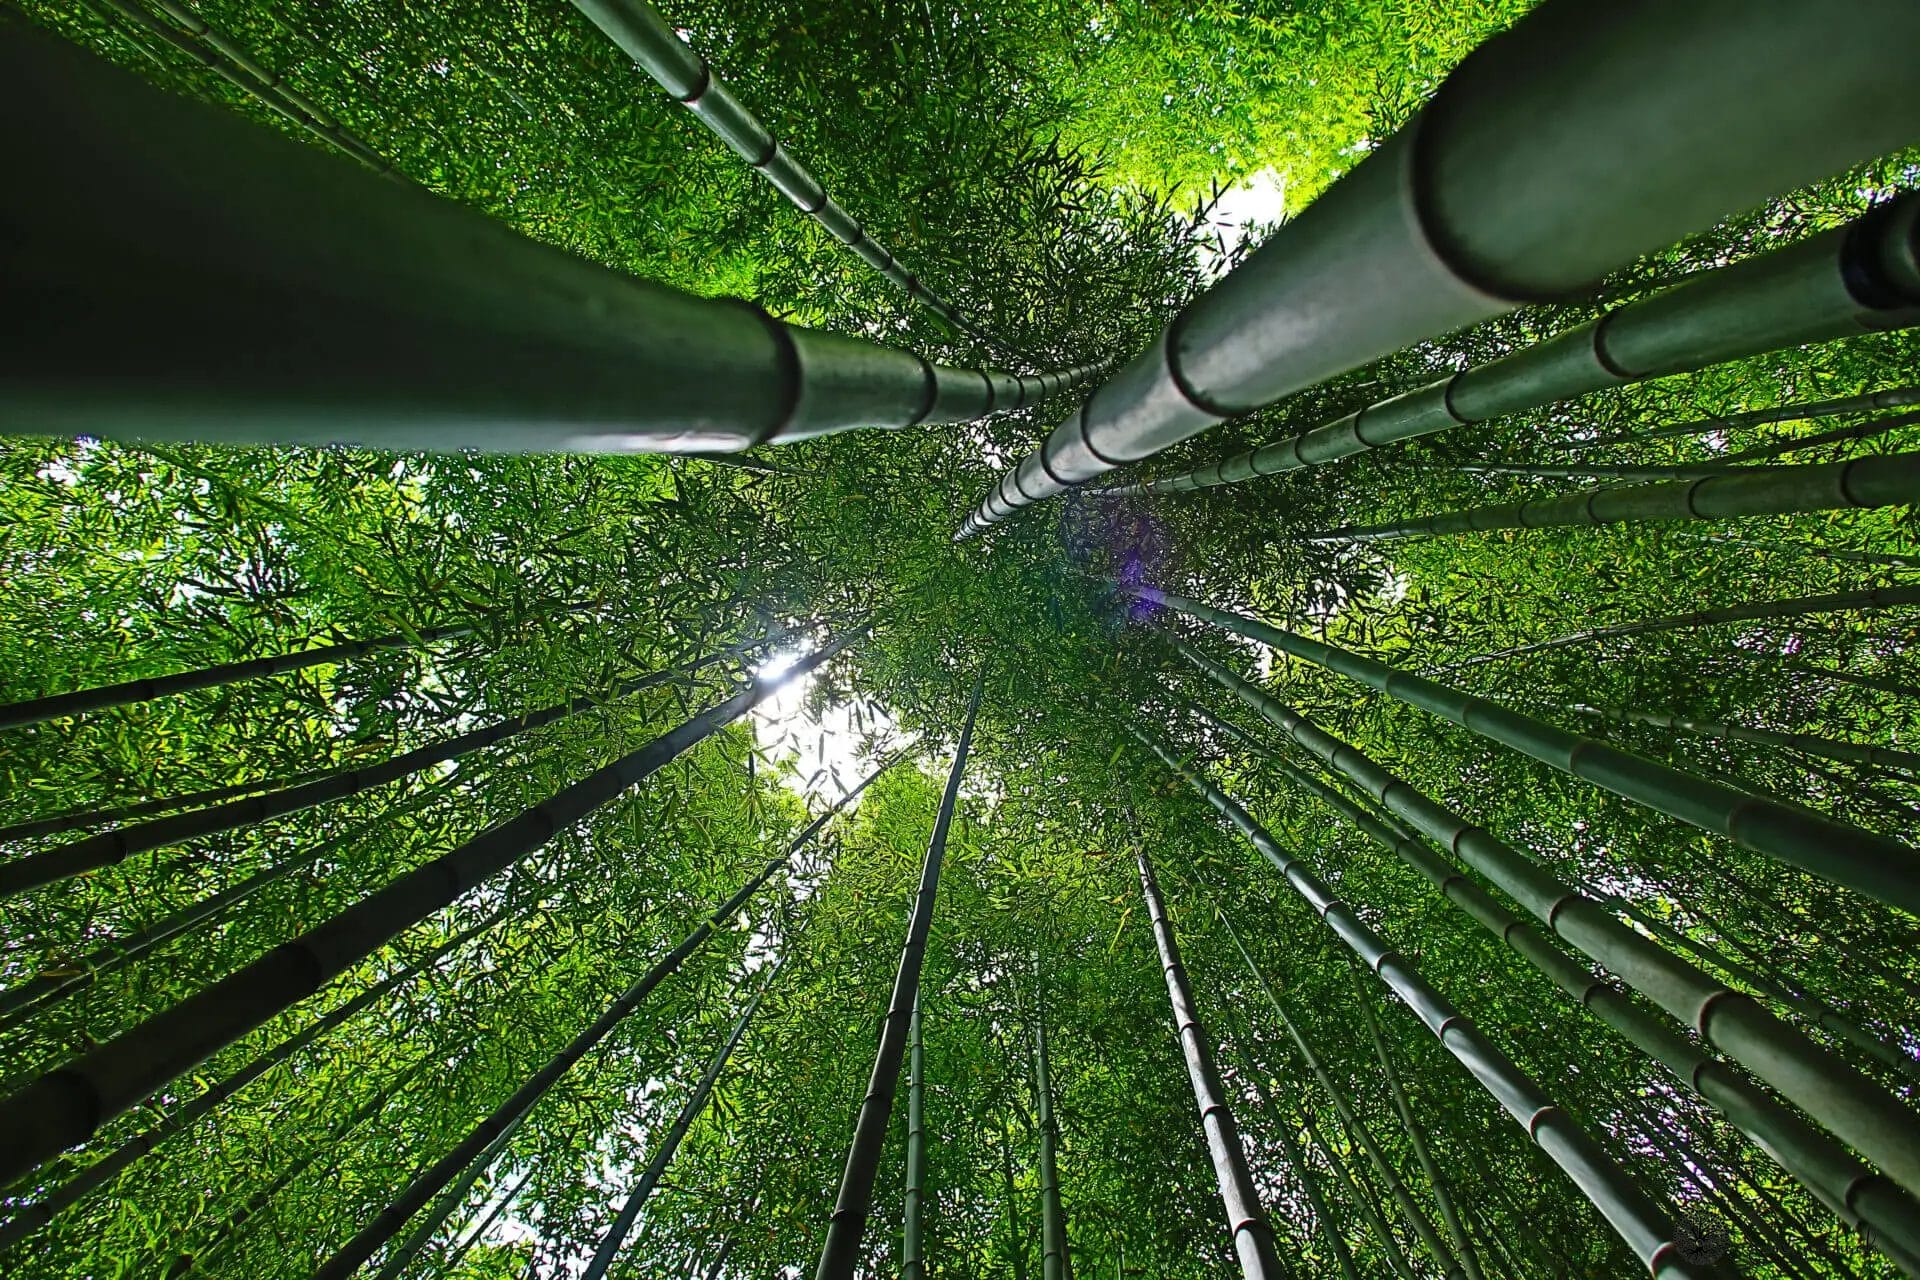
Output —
(1259, 201)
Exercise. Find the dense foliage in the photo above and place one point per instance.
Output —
(1040, 164)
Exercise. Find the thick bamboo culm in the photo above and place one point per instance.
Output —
(1729, 1021)
(1640, 1224)
(68, 1104)
(1253, 1240)
(1528, 177)
(840, 1252)
(1854, 279)
(1872, 864)
(1877, 480)
(347, 1259)
(315, 303)
(644, 34)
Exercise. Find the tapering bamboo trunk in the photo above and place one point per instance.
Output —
(1729, 1021)
(90, 853)
(17, 1002)
(450, 1265)
(696, 1102)
(645, 35)
(1753, 611)
(1639, 1222)
(1055, 1262)
(29, 1218)
(1872, 864)
(1891, 398)
(509, 1114)
(913, 1262)
(1839, 435)
(57, 705)
(310, 274)
(446, 1205)
(1617, 471)
(67, 1105)
(840, 1253)
(1812, 744)
(1246, 1218)
(1846, 281)
(1358, 1193)
(1529, 176)
(1362, 1133)
(1290, 1147)
(1882, 480)
(73, 820)
(1442, 1197)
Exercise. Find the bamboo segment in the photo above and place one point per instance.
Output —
(913, 1260)
(657, 1167)
(1890, 398)
(1583, 137)
(509, 1114)
(277, 314)
(1889, 480)
(1641, 1225)
(1855, 279)
(644, 34)
(109, 847)
(840, 1254)
(1753, 611)
(1812, 744)
(1875, 865)
(1246, 1219)
(1731, 1022)
(67, 1105)
(1053, 1219)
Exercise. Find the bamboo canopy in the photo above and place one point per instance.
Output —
(319, 273)
(1490, 198)
(1848, 281)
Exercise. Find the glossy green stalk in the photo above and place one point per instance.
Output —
(840, 1253)
(1246, 1218)
(67, 1105)
(1848, 281)
(1729, 1021)
(1883, 480)
(310, 275)
(913, 1262)
(1875, 865)
(1639, 1222)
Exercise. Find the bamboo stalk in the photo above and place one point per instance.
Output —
(1640, 1224)
(1246, 1219)
(444, 1207)
(1812, 744)
(1752, 611)
(67, 1105)
(1729, 1021)
(90, 853)
(913, 1263)
(1847, 281)
(310, 276)
(1875, 865)
(841, 1251)
(1055, 1264)
(1885, 480)
(656, 1169)
(1890, 398)
(74, 819)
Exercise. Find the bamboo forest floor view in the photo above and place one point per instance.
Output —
(1048, 637)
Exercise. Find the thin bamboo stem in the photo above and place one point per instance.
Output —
(913, 1262)
(1890, 398)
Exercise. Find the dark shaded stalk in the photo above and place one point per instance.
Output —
(1054, 1261)
(1888, 480)
(1838, 435)
(451, 1265)
(148, 294)
(1875, 865)
(1639, 1222)
(1476, 206)
(1869, 598)
(840, 1253)
(1729, 1021)
(447, 1205)
(1891, 398)
(17, 1002)
(616, 1234)
(66, 1106)
(1598, 470)
(90, 853)
(1812, 744)
(75, 819)
(913, 1260)
(1443, 1198)
(348, 1258)
(1016, 1238)
(1246, 1218)
(29, 1218)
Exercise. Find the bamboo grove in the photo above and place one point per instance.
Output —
(1021, 640)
